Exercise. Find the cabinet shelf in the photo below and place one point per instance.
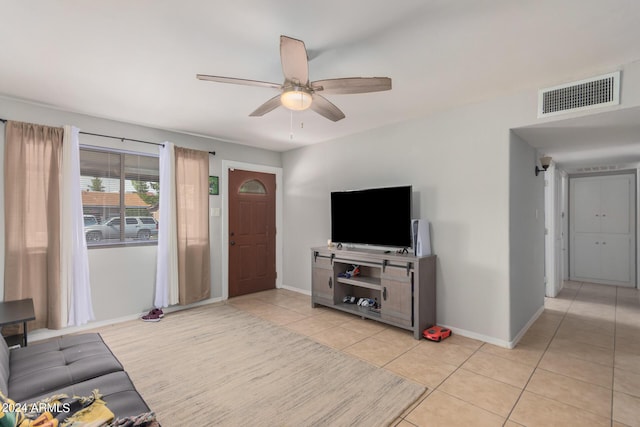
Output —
(352, 261)
(356, 309)
(363, 282)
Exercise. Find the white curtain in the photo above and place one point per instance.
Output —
(167, 268)
(76, 288)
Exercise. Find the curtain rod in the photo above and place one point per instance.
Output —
(118, 137)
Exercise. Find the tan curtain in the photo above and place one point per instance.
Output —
(192, 216)
(32, 174)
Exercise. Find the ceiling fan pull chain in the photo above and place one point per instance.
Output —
(291, 126)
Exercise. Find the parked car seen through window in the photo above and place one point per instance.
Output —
(117, 185)
(141, 228)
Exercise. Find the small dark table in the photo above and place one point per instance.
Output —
(20, 311)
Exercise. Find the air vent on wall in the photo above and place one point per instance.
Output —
(582, 95)
(598, 168)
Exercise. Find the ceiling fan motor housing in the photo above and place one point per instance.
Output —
(296, 98)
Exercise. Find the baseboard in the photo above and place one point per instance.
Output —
(298, 290)
(476, 336)
(463, 332)
(495, 341)
(44, 334)
(526, 327)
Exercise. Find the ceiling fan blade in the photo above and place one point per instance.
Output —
(235, 81)
(352, 85)
(325, 108)
(295, 64)
(270, 105)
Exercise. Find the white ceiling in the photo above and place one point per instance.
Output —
(136, 61)
(608, 140)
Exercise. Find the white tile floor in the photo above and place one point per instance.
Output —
(579, 364)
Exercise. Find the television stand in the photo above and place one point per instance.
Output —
(404, 285)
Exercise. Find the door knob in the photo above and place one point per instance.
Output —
(232, 243)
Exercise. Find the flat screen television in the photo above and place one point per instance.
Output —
(374, 216)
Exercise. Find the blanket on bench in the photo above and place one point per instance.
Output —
(64, 411)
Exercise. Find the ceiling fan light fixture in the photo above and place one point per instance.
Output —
(297, 98)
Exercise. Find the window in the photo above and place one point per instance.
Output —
(252, 186)
(119, 187)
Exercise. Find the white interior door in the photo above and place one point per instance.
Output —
(552, 223)
(586, 213)
(565, 226)
(602, 229)
(558, 232)
(616, 203)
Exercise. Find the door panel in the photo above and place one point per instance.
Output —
(616, 252)
(614, 209)
(261, 264)
(322, 285)
(587, 256)
(252, 232)
(587, 206)
(396, 304)
(243, 227)
(244, 260)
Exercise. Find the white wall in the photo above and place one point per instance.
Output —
(123, 279)
(475, 183)
(526, 237)
(457, 163)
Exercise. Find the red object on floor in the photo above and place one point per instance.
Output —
(436, 333)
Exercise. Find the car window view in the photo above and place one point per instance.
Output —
(90, 220)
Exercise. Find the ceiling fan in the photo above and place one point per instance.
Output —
(297, 92)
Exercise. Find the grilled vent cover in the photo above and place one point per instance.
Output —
(582, 95)
(598, 168)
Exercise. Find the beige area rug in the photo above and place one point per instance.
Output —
(216, 365)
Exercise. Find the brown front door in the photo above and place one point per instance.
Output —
(252, 232)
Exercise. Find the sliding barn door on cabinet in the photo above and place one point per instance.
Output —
(602, 229)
